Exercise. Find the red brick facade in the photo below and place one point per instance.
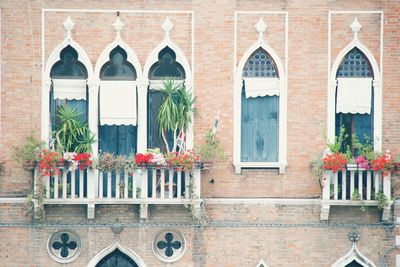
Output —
(238, 234)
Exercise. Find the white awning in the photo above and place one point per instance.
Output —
(159, 84)
(118, 103)
(354, 95)
(255, 87)
(70, 89)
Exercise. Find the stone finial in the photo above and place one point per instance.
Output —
(68, 26)
(355, 27)
(353, 236)
(167, 26)
(261, 27)
(118, 25)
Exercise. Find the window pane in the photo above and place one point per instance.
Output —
(166, 67)
(118, 68)
(260, 64)
(68, 66)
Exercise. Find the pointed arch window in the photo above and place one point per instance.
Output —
(165, 68)
(354, 100)
(69, 85)
(260, 109)
(118, 105)
(117, 258)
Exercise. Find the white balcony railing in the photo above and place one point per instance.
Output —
(354, 187)
(144, 186)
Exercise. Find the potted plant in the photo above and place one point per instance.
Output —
(175, 114)
(50, 162)
(105, 162)
(27, 154)
(71, 133)
(182, 161)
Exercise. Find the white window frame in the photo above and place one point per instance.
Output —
(377, 84)
(151, 60)
(116, 244)
(94, 88)
(282, 146)
(46, 81)
(353, 255)
(262, 263)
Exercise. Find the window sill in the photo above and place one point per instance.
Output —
(260, 165)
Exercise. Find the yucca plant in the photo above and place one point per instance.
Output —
(175, 113)
(72, 134)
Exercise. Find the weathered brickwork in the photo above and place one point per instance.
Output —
(239, 234)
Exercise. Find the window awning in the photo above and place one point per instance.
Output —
(255, 87)
(70, 89)
(354, 95)
(159, 84)
(118, 103)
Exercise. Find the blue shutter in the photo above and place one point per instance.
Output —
(259, 129)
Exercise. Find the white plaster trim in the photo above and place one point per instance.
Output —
(13, 200)
(116, 245)
(156, 11)
(282, 161)
(377, 78)
(354, 254)
(262, 263)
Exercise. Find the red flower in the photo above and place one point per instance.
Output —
(335, 162)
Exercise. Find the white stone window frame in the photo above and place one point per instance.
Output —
(353, 255)
(93, 80)
(377, 82)
(188, 81)
(94, 88)
(262, 264)
(46, 81)
(177, 235)
(75, 238)
(282, 146)
(116, 244)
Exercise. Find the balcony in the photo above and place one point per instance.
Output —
(355, 187)
(147, 185)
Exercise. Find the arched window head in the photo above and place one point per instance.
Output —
(117, 258)
(166, 67)
(260, 64)
(355, 64)
(68, 66)
(118, 68)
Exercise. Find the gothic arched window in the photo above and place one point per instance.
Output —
(355, 99)
(260, 109)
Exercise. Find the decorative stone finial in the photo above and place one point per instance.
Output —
(68, 26)
(118, 25)
(261, 27)
(167, 26)
(355, 27)
(353, 236)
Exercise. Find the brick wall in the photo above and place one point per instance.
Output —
(309, 245)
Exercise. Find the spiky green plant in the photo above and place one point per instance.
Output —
(72, 134)
(176, 111)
